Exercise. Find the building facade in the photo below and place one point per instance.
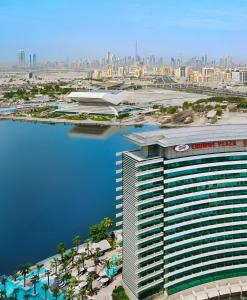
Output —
(182, 204)
(22, 58)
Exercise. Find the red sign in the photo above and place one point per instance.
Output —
(214, 144)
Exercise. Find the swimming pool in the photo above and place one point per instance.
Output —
(11, 286)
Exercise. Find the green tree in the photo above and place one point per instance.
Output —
(69, 294)
(77, 241)
(56, 292)
(72, 254)
(78, 267)
(97, 232)
(39, 267)
(16, 291)
(107, 223)
(54, 264)
(96, 256)
(61, 249)
(3, 282)
(88, 247)
(90, 279)
(82, 259)
(15, 275)
(219, 112)
(83, 293)
(73, 282)
(2, 295)
(47, 273)
(119, 294)
(45, 288)
(25, 269)
(186, 105)
(34, 281)
(27, 296)
(107, 264)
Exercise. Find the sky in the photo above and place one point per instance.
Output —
(74, 29)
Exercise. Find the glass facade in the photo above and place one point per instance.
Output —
(205, 220)
(184, 221)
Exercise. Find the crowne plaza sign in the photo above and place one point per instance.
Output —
(217, 144)
(208, 145)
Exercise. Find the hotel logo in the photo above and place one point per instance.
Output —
(182, 148)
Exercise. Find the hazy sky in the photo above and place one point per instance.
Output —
(60, 29)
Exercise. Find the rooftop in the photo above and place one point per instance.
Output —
(112, 97)
(186, 135)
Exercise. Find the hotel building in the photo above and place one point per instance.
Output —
(182, 207)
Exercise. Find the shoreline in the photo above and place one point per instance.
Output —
(73, 122)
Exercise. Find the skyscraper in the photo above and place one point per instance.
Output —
(22, 58)
(137, 58)
(34, 59)
(30, 60)
(183, 204)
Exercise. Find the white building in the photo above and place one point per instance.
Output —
(98, 102)
(182, 206)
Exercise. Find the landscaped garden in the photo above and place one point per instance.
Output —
(80, 272)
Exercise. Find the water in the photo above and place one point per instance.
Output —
(10, 286)
(55, 181)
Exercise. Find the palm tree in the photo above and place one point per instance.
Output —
(39, 266)
(61, 249)
(15, 291)
(77, 241)
(78, 267)
(47, 273)
(73, 282)
(69, 294)
(45, 288)
(72, 254)
(3, 282)
(96, 257)
(107, 264)
(34, 280)
(82, 259)
(25, 269)
(56, 292)
(15, 275)
(83, 293)
(2, 295)
(54, 264)
(27, 296)
(107, 223)
(88, 247)
(90, 282)
(65, 265)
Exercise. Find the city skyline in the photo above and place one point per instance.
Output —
(74, 29)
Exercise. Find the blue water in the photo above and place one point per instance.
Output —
(40, 294)
(53, 186)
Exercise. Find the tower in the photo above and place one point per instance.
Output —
(182, 204)
(136, 52)
(34, 59)
(22, 58)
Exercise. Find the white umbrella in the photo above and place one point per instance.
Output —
(104, 280)
(91, 269)
(82, 284)
(102, 273)
(81, 250)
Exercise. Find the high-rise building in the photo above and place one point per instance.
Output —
(22, 58)
(34, 59)
(173, 62)
(183, 203)
(30, 60)
(243, 76)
